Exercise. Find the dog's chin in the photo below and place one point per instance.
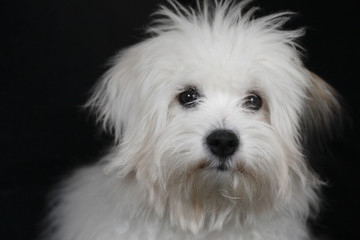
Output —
(210, 194)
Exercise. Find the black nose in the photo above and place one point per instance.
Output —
(222, 143)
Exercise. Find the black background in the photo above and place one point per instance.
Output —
(53, 51)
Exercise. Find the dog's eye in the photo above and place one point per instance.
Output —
(189, 97)
(252, 102)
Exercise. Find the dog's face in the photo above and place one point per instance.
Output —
(210, 117)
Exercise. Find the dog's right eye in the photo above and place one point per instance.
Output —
(189, 97)
(253, 102)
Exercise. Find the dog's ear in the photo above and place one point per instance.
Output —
(113, 96)
(127, 104)
(126, 100)
(323, 115)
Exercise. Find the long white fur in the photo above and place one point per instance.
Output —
(158, 181)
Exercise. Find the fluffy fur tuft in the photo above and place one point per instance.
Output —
(161, 181)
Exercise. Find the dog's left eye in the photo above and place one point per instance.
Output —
(189, 97)
(252, 102)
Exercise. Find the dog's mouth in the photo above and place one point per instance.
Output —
(220, 166)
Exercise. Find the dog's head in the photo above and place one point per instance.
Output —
(210, 114)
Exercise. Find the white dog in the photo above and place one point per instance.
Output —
(210, 117)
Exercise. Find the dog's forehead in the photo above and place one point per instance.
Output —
(230, 59)
(215, 80)
(215, 54)
(233, 61)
